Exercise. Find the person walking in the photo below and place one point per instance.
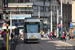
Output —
(43, 34)
(47, 35)
(68, 35)
(12, 36)
(0, 35)
(4, 35)
(50, 35)
(63, 36)
(22, 34)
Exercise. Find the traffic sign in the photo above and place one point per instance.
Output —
(59, 25)
(71, 25)
(5, 3)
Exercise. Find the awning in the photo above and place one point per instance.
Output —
(13, 27)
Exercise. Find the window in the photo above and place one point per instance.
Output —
(53, 8)
(41, 9)
(58, 7)
(47, 9)
(35, 8)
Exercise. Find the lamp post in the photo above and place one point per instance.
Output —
(10, 23)
(61, 19)
(51, 20)
(44, 13)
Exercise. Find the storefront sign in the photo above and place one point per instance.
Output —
(20, 17)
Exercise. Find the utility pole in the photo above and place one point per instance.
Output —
(61, 19)
(44, 13)
(39, 12)
(6, 8)
(51, 20)
(57, 24)
(10, 23)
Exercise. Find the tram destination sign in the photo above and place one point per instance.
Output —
(31, 22)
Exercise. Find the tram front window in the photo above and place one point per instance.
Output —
(32, 28)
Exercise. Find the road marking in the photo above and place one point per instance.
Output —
(65, 43)
(57, 45)
(60, 43)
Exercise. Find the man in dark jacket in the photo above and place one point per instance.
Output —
(12, 36)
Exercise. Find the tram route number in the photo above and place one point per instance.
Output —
(32, 36)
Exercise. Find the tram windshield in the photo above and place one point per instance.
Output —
(32, 28)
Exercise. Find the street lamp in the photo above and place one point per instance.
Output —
(61, 19)
(44, 12)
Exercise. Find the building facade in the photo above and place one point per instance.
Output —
(73, 16)
(19, 10)
(67, 16)
(1, 13)
(67, 1)
(45, 7)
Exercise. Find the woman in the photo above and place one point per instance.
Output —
(63, 36)
(50, 34)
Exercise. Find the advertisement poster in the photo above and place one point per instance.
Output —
(20, 31)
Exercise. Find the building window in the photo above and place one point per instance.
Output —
(47, 9)
(53, 8)
(41, 9)
(35, 8)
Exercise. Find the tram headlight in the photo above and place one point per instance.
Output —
(35, 37)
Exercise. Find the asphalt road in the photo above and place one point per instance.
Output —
(45, 44)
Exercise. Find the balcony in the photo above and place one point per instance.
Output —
(20, 4)
(41, 3)
(47, 14)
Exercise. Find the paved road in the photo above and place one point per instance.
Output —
(45, 44)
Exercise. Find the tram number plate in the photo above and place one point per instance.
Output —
(32, 36)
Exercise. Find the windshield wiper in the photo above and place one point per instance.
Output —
(30, 31)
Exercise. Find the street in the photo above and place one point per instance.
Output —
(45, 44)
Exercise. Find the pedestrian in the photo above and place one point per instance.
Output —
(68, 35)
(12, 36)
(4, 35)
(43, 34)
(22, 34)
(50, 35)
(47, 35)
(0, 35)
(63, 36)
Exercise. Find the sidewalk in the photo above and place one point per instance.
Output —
(70, 42)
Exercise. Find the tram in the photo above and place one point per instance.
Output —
(32, 30)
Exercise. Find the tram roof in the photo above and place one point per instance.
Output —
(33, 19)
